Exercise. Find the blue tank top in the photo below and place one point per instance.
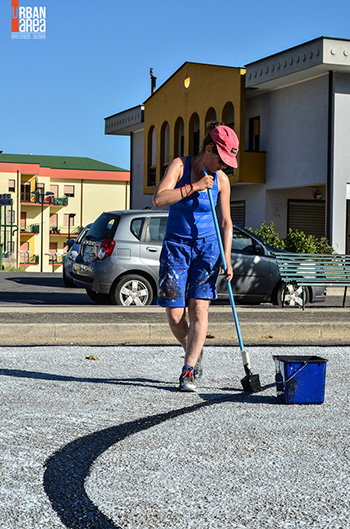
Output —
(191, 217)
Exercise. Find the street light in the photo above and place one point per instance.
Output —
(70, 216)
(39, 194)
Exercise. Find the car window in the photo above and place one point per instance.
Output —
(82, 234)
(241, 242)
(104, 227)
(155, 231)
(136, 227)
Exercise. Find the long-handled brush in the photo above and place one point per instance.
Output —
(250, 382)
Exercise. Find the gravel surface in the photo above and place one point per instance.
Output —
(110, 443)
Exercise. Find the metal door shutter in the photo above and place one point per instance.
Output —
(307, 216)
(238, 212)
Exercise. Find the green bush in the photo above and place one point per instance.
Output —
(268, 234)
(296, 241)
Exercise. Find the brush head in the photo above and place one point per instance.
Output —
(251, 383)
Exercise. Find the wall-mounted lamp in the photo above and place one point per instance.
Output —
(318, 195)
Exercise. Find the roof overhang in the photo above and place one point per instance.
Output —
(126, 122)
(294, 65)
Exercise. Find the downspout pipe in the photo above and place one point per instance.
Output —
(330, 159)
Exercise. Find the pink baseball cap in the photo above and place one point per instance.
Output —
(227, 144)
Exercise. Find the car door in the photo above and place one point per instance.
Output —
(151, 242)
(251, 267)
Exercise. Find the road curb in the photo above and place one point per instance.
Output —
(17, 334)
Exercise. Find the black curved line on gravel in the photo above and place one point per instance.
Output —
(68, 468)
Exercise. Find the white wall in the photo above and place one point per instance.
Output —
(341, 160)
(294, 127)
(138, 199)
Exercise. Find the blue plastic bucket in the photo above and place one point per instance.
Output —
(300, 379)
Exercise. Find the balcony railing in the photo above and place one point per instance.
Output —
(33, 228)
(48, 200)
(63, 201)
(63, 230)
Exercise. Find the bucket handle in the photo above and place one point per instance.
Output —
(296, 372)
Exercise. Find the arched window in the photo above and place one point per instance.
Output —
(152, 157)
(179, 146)
(194, 134)
(228, 115)
(165, 139)
(210, 116)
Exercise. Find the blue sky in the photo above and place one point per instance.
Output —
(95, 61)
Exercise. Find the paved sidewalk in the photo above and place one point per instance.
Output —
(111, 443)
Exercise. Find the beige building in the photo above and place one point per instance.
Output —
(47, 199)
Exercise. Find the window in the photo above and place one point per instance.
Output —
(152, 152)
(194, 134)
(136, 228)
(24, 253)
(54, 220)
(12, 186)
(254, 134)
(238, 212)
(53, 247)
(104, 227)
(54, 190)
(210, 116)
(179, 138)
(23, 225)
(156, 229)
(307, 216)
(228, 115)
(68, 221)
(242, 242)
(69, 191)
(11, 217)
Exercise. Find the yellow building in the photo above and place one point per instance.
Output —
(172, 122)
(47, 199)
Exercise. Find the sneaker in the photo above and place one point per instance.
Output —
(187, 380)
(198, 370)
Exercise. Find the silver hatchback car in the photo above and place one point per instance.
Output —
(118, 263)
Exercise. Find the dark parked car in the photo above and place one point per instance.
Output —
(119, 262)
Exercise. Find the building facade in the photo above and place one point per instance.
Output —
(49, 199)
(291, 112)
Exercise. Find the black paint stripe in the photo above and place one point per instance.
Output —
(68, 468)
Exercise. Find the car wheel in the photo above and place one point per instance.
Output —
(67, 282)
(132, 290)
(97, 297)
(293, 295)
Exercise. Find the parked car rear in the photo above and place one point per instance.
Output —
(74, 248)
(118, 263)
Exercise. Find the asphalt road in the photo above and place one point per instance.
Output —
(25, 288)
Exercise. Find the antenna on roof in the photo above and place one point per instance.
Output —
(153, 81)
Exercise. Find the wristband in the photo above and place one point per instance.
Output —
(188, 193)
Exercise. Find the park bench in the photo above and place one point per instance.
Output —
(306, 270)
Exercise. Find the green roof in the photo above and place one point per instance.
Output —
(60, 162)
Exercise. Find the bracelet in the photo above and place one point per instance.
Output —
(181, 193)
(188, 193)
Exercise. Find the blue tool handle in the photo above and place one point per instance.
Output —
(222, 255)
